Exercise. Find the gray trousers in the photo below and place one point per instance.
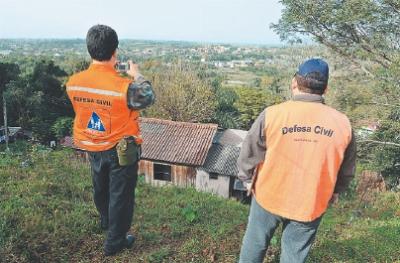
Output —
(297, 237)
(114, 194)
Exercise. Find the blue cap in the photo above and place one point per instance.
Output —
(314, 68)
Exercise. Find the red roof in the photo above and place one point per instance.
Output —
(176, 142)
(68, 142)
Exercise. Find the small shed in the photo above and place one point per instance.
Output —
(12, 132)
(219, 172)
(171, 151)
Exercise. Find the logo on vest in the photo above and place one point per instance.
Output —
(95, 123)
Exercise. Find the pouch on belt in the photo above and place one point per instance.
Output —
(128, 151)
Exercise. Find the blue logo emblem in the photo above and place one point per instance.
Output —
(95, 123)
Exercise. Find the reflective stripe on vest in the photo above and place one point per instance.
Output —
(305, 142)
(94, 144)
(95, 91)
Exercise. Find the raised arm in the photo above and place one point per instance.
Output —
(140, 92)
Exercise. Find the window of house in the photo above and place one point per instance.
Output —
(162, 172)
(214, 176)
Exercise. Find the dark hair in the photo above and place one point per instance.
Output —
(101, 42)
(312, 84)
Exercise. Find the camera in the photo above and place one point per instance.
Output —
(122, 66)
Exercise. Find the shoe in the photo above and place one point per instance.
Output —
(130, 239)
(104, 223)
(128, 243)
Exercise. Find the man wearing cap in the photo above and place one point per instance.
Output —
(106, 125)
(296, 159)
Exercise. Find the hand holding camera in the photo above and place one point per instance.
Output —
(129, 68)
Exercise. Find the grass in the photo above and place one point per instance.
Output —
(47, 215)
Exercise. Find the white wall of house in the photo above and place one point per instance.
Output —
(219, 186)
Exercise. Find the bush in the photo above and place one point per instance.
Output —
(62, 127)
(182, 95)
(387, 156)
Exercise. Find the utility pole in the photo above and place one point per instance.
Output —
(5, 122)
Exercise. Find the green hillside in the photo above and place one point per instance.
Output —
(47, 215)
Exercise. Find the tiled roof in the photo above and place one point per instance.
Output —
(176, 142)
(67, 141)
(223, 155)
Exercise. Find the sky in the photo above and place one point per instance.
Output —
(214, 21)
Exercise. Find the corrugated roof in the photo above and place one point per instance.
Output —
(224, 153)
(176, 142)
(232, 137)
(222, 159)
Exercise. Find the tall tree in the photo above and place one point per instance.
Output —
(368, 29)
(38, 98)
(360, 30)
(8, 72)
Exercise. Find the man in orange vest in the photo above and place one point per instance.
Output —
(106, 125)
(302, 153)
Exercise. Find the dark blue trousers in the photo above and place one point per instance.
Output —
(114, 194)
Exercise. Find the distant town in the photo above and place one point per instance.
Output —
(247, 65)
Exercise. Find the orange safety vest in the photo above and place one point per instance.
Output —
(306, 142)
(102, 116)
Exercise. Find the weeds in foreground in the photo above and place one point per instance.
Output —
(47, 215)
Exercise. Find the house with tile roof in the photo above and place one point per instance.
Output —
(172, 151)
(191, 155)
